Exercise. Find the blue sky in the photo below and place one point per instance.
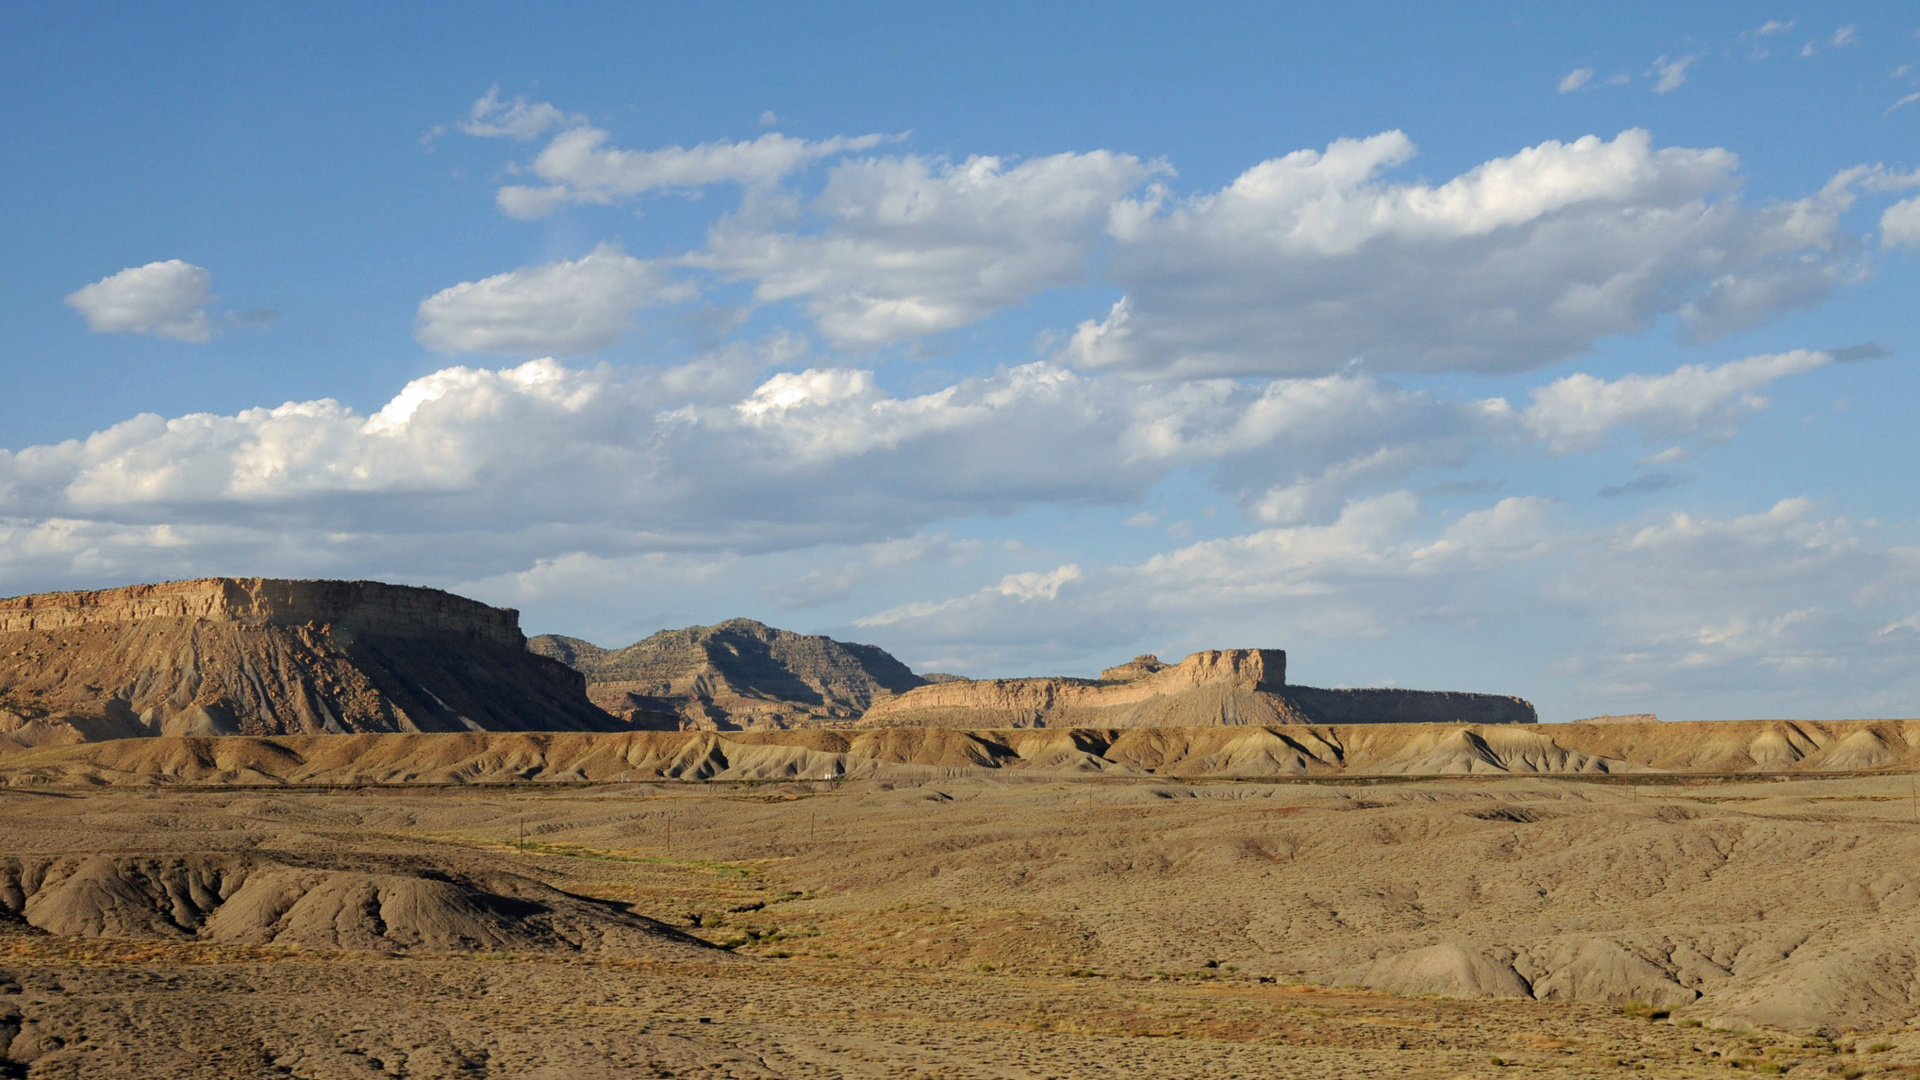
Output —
(1550, 350)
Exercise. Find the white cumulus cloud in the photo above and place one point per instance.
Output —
(504, 466)
(1579, 411)
(906, 247)
(561, 307)
(519, 119)
(1690, 616)
(656, 491)
(1019, 588)
(1753, 603)
(1576, 79)
(1302, 265)
(1314, 260)
(1900, 223)
(166, 299)
(579, 167)
(1359, 576)
(1672, 72)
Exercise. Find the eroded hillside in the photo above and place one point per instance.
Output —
(739, 674)
(1619, 753)
(963, 926)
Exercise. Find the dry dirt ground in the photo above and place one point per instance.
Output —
(965, 928)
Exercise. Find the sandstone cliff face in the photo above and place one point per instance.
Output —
(1214, 686)
(369, 606)
(1137, 668)
(1211, 687)
(736, 675)
(260, 656)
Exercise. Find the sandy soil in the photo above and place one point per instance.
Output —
(965, 927)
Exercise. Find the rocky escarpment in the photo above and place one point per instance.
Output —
(1214, 686)
(736, 675)
(260, 656)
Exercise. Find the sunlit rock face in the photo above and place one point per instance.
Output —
(220, 656)
(1213, 686)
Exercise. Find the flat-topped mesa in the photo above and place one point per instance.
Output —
(1212, 686)
(1256, 669)
(1208, 688)
(1251, 669)
(222, 656)
(371, 606)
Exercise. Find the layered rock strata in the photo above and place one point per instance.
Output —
(260, 656)
(1211, 687)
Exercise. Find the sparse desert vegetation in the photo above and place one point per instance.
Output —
(967, 927)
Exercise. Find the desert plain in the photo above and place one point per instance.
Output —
(1048, 922)
(264, 828)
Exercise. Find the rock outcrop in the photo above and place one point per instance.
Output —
(737, 675)
(1214, 686)
(256, 656)
(1137, 668)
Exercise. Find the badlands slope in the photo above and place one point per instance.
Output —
(1652, 750)
(962, 927)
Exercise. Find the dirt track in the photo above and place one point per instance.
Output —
(970, 927)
